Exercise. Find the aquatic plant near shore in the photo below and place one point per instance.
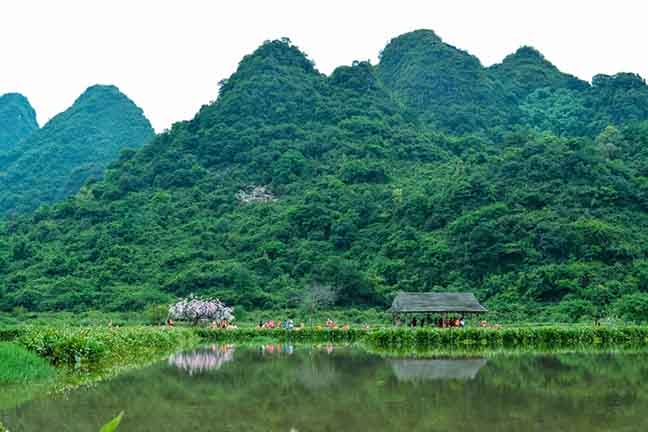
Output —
(195, 309)
(89, 347)
(308, 334)
(512, 337)
(467, 338)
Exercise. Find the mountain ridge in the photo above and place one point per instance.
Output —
(364, 192)
(17, 120)
(70, 148)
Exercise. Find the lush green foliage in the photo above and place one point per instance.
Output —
(82, 355)
(75, 146)
(470, 338)
(540, 218)
(20, 365)
(23, 375)
(89, 318)
(96, 347)
(306, 335)
(547, 337)
(9, 333)
(450, 90)
(17, 122)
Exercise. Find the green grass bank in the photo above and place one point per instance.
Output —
(23, 374)
(450, 339)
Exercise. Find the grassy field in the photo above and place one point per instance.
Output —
(20, 365)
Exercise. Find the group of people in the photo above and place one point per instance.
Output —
(222, 324)
(288, 324)
(456, 322)
(427, 321)
(330, 324)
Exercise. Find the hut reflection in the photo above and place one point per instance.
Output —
(412, 370)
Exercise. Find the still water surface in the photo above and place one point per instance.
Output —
(286, 388)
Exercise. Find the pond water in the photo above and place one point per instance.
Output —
(285, 388)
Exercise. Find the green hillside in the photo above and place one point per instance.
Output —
(76, 145)
(17, 121)
(425, 172)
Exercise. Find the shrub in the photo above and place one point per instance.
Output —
(81, 347)
(633, 307)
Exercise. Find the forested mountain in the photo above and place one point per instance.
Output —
(76, 145)
(526, 70)
(450, 90)
(425, 172)
(17, 121)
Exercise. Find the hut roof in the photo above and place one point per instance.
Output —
(436, 302)
(449, 369)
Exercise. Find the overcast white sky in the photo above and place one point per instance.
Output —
(169, 55)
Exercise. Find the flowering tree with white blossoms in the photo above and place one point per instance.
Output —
(196, 309)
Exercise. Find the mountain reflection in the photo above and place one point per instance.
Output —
(202, 360)
(328, 388)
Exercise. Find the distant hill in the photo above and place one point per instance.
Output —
(76, 145)
(17, 121)
(428, 171)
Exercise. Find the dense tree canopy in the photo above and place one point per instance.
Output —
(426, 172)
(76, 145)
(17, 121)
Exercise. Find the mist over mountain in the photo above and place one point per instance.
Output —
(74, 146)
(425, 172)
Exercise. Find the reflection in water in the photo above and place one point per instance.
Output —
(273, 348)
(203, 360)
(278, 387)
(436, 369)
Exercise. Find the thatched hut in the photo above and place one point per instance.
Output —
(435, 303)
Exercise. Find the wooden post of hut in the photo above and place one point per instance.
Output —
(437, 303)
